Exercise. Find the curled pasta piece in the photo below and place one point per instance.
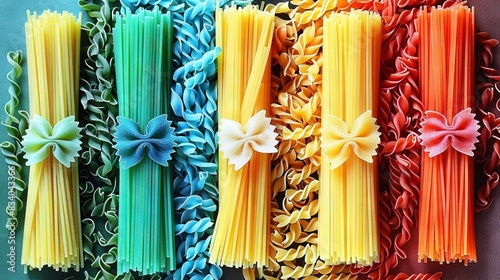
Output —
(487, 85)
(398, 114)
(16, 123)
(297, 161)
(421, 276)
(98, 176)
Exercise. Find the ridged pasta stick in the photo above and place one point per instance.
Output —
(52, 230)
(448, 134)
(246, 137)
(348, 227)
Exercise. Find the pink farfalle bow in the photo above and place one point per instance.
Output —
(437, 135)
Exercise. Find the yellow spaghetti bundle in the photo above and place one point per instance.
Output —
(52, 232)
(348, 227)
(448, 135)
(246, 137)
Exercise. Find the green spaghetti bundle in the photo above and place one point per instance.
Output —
(144, 141)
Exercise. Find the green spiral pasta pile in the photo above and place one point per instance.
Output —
(98, 179)
(16, 124)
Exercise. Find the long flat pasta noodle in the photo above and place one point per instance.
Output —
(348, 227)
(241, 234)
(144, 141)
(446, 231)
(52, 231)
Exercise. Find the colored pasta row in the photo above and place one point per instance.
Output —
(194, 97)
(295, 83)
(404, 162)
(412, 175)
(296, 88)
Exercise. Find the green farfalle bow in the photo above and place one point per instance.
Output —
(64, 139)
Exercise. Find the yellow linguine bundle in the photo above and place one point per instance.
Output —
(52, 230)
(348, 228)
(241, 234)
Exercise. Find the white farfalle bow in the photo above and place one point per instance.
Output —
(238, 144)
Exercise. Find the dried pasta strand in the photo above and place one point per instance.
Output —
(241, 231)
(52, 231)
(143, 47)
(348, 226)
(446, 231)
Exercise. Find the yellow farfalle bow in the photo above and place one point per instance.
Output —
(337, 142)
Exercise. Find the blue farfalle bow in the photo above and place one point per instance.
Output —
(131, 144)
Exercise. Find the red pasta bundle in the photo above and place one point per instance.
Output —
(448, 134)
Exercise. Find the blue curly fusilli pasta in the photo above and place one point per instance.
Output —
(194, 105)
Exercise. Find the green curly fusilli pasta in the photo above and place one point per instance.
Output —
(16, 124)
(98, 181)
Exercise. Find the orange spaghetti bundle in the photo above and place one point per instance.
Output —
(448, 135)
